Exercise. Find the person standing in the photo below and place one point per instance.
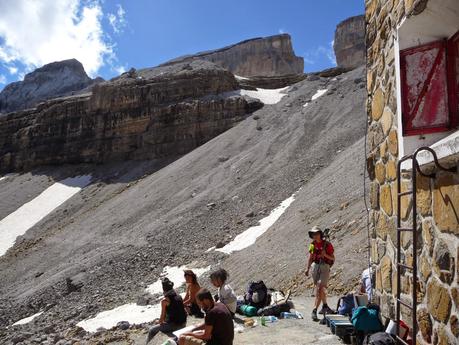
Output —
(218, 327)
(173, 314)
(321, 258)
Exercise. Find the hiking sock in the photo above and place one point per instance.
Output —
(314, 315)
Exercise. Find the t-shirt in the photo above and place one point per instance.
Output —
(316, 248)
(175, 311)
(221, 321)
(227, 296)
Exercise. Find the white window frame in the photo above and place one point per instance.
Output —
(415, 31)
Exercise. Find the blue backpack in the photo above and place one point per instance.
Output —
(366, 319)
(346, 304)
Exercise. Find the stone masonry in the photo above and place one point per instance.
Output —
(438, 199)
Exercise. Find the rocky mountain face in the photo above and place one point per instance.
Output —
(152, 113)
(349, 43)
(50, 81)
(265, 57)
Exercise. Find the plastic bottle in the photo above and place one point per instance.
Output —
(287, 315)
(291, 315)
(270, 318)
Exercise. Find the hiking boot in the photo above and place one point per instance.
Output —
(326, 310)
(314, 315)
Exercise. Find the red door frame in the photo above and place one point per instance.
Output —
(407, 118)
(453, 79)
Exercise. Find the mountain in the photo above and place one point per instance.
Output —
(349, 42)
(184, 164)
(52, 80)
(264, 56)
(146, 114)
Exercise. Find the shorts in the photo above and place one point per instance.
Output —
(321, 274)
(189, 340)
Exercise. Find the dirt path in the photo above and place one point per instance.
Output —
(282, 332)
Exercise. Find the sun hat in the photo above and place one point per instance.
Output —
(315, 230)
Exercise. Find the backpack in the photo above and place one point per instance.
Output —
(346, 304)
(275, 309)
(380, 338)
(257, 294)
(312, 251)
(366, 319)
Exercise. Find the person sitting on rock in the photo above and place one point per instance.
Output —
(192, 288)
(225, 294)
(217, 329)
(321, 257)
(173, 314)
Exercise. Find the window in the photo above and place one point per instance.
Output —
(429, 80)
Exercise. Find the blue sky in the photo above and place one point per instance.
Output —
(110, 36)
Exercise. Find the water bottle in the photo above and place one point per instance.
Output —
(270, 318)
(291, 315)
(287, 315)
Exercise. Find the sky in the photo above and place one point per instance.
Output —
(111, 36)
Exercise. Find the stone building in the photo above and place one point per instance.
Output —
(413, 85)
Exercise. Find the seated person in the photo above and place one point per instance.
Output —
(366, 283)
(192, 288)
(217, 329)
(173, 314)
(225, 294)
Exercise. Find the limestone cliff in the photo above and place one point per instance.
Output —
(349, 43)
(266, 57)
(152, 113)
(52, 80)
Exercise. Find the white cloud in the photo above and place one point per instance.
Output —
(38, 32)
(2, 79)
(118, 20)
(281, 31)
(12, 69)
(321, 52)
(120, 69)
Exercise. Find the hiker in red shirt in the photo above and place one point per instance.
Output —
(321, 257)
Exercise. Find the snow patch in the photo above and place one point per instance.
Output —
(29, 214)
(175, 274)
(5, 177)
(249, 237)
(267, 96)
(136, 314)
(133, 313)
(238, 77)
(27, 319)
(318, 94)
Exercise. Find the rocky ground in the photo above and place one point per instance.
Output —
(114, 237)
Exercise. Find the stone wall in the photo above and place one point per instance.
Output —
(349, 42)
(438, 199)
(157, 113)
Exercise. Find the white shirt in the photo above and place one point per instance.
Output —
(227, 296)
(366, 281)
